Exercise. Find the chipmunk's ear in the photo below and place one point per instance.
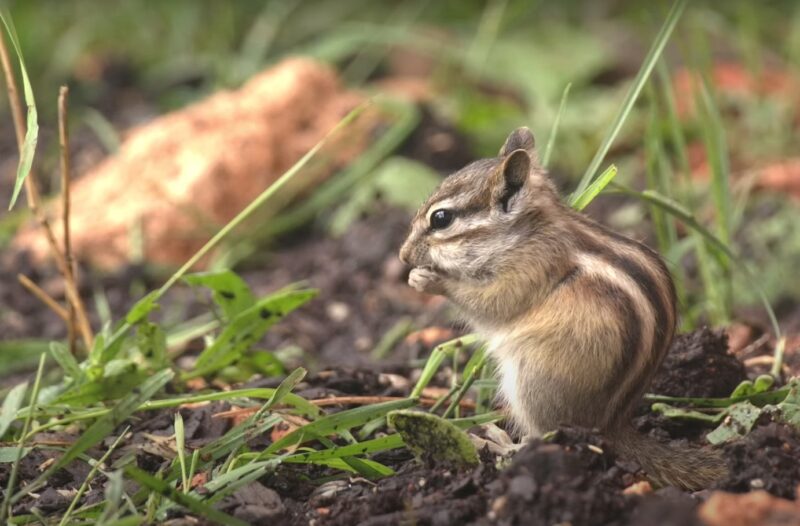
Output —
(510, 178)
(520, 139)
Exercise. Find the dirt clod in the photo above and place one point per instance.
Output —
(563, 481)
(698, 365)
(767, 458)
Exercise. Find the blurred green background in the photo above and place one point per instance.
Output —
(488, 67)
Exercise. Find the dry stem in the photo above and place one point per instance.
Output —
(13, 93)
(37, 291)
(63, 141)
(32, 194)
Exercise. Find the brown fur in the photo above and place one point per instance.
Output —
(578, 317)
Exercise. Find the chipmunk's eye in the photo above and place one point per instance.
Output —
(441, 219)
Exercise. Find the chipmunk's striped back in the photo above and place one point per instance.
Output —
(642, 285)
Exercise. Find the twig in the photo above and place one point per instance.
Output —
(32, 194)
(45, 298)
(63, 142)
(13, 92)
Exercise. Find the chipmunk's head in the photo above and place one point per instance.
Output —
(471, 226)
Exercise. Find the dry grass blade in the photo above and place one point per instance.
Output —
(45, 298)
(13, 92)
(63, 142)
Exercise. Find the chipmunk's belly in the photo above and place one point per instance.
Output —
(540, 392)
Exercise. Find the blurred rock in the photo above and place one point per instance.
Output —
(177, 179)
(757, 508)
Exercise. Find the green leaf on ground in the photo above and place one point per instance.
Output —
(432, 437)
(11, 404)
(739, 421)
(10, 454)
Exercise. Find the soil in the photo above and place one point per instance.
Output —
(699, 365)
(570, 478)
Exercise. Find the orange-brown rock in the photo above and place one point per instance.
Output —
(757, 508)
(178, 178)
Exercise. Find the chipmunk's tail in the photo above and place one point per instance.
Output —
(689, 468)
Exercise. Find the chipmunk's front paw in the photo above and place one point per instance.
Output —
(426, 280)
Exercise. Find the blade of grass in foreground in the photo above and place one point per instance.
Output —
(627, 105)
(187, 501)
(436, 358)
(85, 485)
(28, 145)
(337, 423)
(5, 507)
(551, 141)
(597, 186)
(303, 406)
(103, 427)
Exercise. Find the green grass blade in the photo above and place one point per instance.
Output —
(21, 355)
(187, 501)
(229, 291)
(85, 484)
(436, 358)
(385, 443)
(676, 210)
(300, 404)
(777, 364)
(551, 141)
(630, 99)
(375, 445)
(66, 360)
(717, 150)
(28, 147)
(245, 330)
(486, 34)
(265, 197)
(180, 445)
(473, 367)
(331, 192)
(582, 200)
(676, 134)
(5, 507)
(337, 423)
(283, 390)
(104, 426)
(227, 483)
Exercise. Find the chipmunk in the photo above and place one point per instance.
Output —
(577, 317)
